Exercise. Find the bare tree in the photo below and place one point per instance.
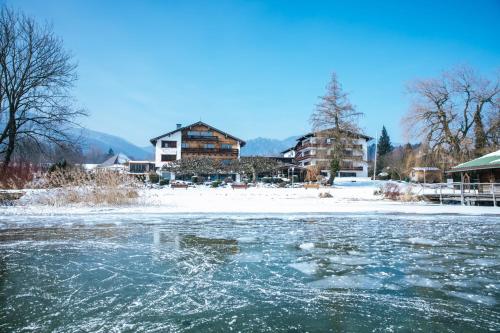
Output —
(36, 77)
(456, 114)
(335, 124)
(255, 165)
(193, 166)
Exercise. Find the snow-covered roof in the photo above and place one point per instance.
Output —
(488, 161)
(287, 150)
(119, 158)
(426, 169)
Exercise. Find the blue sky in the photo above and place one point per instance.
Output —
(256, 68)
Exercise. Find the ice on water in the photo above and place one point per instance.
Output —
(161, 273)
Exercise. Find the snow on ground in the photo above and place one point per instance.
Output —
(347, 197)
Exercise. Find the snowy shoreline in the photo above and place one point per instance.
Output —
(346, 199)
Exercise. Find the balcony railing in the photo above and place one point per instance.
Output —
(199, 138)
(306, 156)
(210, 151)
(351, 168)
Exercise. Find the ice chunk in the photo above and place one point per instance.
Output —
(423, 241)
(483, 262)
(247, 239)
(306, 246)
(308, 267)
(347, 282)
(350, 260)
(487, 300)
(419, 281)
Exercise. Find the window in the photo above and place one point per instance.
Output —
(226, 146)
(347, 174)
(209, 146)
(167, 158)
(185, 145)
(169, 144)
(207, 133)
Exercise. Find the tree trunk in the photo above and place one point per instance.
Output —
(480, 135)
(12, 131)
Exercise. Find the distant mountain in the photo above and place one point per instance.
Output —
(98, 141)
(267, 147)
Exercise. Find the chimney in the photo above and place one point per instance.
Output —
(179, 126)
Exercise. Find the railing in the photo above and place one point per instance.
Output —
(307, 145)
(351, 168)
(210, 151)
(464, 192)
(200, 138)
(306, 156)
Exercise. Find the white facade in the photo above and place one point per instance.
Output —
(159, 151)
(290, 153)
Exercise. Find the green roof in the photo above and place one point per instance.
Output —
(489, 161)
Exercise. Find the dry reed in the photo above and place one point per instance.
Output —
(75, 186)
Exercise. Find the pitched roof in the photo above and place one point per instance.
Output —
(488, 161)
(153, 140)
(119, 158)
(287, 150)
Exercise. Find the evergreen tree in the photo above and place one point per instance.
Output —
(384, 145)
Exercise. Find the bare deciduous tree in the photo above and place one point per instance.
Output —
(36, 78)
(456, 114)
(335, 124)
(254, 165)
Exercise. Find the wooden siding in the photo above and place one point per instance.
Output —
(217, 139)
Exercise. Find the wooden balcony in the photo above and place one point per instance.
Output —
(207, 151)
(199, 138)
(306, 156)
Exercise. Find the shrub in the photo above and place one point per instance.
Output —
(17, 176)
(216, 183)
(391, 191)
(59, 166)
(164, 182)
(154, 178)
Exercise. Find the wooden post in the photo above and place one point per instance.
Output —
(440, 194)
(462, 188)
(493, 194)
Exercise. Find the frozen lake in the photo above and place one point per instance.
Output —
(160, 273)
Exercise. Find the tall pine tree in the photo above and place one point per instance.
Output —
(384, 148)
(384, 145)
